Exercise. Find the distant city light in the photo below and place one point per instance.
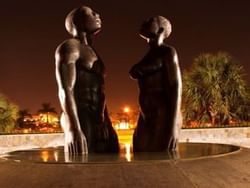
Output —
(126, 109)
(122, 125)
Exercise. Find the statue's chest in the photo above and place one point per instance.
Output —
(152, 58)
(84, 68)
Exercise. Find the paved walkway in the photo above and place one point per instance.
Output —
(227, 171)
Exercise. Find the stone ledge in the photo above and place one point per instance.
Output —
(29, 141)
(235, 136)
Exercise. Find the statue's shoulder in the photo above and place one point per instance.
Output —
(170, 53)
(68, 51)
(168, 49)
(67, 47)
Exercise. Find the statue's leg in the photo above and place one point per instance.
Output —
(141, 136)
(88, 124)
(112, 142)
(107, 140)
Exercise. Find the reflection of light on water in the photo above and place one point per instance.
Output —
(56, 156)
(45, 156)
(125, 137)
(127, 152)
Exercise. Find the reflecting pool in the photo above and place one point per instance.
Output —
(57, 155)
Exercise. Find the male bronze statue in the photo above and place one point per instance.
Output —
(159, 81)
(80, 78)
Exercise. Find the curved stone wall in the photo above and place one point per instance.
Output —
(235, 136)
(28, 141)
(239, 136)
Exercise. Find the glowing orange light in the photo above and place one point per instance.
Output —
(45, 156)
(128, 155)
(56, 155)
(126, 109)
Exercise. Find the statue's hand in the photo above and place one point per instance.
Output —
(173, 143)
(75, 142)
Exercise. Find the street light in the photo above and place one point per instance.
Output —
(126, 109)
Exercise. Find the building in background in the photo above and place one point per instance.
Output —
(41, 122)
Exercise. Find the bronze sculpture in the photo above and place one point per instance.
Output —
(159, 81)
(80, 78)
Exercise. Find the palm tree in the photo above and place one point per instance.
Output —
(214, 89)
(235, 91)
(46, 109)
(8, 114)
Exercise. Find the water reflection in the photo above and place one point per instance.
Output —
(125, 138)
(76, 158)
(126, 152)
(44, 156)
(57, 155)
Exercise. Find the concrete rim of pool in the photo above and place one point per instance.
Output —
(56, 155)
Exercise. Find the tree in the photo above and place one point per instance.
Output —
(8, 114)
(46, 109)
(21, 116)
(214, 90)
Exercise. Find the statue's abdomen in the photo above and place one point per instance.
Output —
(89, 90)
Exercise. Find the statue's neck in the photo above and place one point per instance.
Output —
(156, 42)
(84, 38)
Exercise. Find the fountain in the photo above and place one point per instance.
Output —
(89, 135)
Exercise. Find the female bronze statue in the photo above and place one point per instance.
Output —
(80, 79)
(159, 81)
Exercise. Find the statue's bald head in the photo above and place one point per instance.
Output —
(154, 26)
(82, 19)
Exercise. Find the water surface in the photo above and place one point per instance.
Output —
(57, 155)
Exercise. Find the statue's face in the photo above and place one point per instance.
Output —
(149, 29)
(89, 22)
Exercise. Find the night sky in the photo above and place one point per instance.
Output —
(30, 31)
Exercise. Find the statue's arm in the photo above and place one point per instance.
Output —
(142, 69)
(66, 57)
(66, 77)
(174, 88)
